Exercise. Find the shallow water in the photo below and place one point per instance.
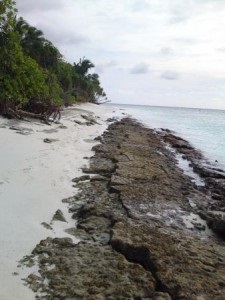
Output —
(204, 128)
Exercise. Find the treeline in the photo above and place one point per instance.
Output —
(32, 69)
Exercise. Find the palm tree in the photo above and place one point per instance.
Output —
(36, 46)
(82, 68)
(31, 39)
(29, 35)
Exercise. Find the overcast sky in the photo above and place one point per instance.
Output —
(153, 52)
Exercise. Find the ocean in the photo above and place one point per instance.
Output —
(203, 128)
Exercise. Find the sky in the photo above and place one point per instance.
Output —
(150, 52)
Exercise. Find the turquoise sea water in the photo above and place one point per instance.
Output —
(203, 128)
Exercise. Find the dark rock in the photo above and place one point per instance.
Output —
(90, 120)
(63, 127)
(81, 178)
(113, 119)
(102, 167)
(217, 224)
(98, 138)
(206, 172)
(79, 122)
(46, 225)
(162, 296)
(133, 242)
(47, 140)
(68, 200)
(98, 178)
(15, 128)
(58, 216)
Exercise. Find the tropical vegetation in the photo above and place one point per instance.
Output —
(33, 71)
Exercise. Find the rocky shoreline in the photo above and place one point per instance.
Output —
(146, 230)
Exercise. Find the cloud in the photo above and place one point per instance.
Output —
(179, 39)
(140, 68)
(111, 63)
(166, 51)
(178, 18)
(187, 41)
(69, 39)
(170, 75)
(26, 6)
(138, 5)
(100, 68)
(62, 36)
(222, 49)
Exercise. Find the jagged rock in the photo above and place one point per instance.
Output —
(98, 138)
(98, 178)
(134, 243)
(113, 119)
(81, 178)
(207, 172)
(69, 200)
(162, 296)
(185, 268)
(118, 180)
(104, 272)
(58, 216)
(217, 224)
(102, 167)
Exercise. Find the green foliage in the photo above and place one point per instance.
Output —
(65, 72)
(36, 46)
(87, 85)
(32, 67)
(53, 88)
(83, 67)
(20, 76)
(7, 16)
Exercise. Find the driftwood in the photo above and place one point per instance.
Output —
(33, 109)
(28, 114)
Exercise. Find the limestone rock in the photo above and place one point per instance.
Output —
(58, 216)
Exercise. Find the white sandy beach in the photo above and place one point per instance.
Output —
(34, 178)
